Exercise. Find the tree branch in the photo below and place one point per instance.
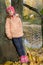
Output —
(32, 8)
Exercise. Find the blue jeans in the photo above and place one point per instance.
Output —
(17, 42)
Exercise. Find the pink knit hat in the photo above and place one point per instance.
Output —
(10, 8)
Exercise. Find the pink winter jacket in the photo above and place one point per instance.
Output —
(13, 27)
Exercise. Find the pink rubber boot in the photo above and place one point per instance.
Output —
(24, 59)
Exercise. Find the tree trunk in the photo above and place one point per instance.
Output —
(18, 5)
(7, 50)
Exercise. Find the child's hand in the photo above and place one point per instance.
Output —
(9, 36)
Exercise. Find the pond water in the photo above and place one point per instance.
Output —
(29, 45)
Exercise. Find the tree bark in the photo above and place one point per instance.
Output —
(7, 50)
(18, 5)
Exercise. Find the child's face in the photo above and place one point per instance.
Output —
(11, 13)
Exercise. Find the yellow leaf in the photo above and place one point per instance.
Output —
(8, 63)
(7, 2)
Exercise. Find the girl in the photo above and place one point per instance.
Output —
(14, 31)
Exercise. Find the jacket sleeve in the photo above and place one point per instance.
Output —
(20, 23)
(8, 29)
